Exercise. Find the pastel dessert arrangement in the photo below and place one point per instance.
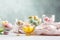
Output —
(35, 26)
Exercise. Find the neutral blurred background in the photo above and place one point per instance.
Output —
(21, 9)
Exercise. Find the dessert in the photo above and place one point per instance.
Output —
(34, 20)
(7, 27)
(47, 19)
(19, 24)
(28, 29)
